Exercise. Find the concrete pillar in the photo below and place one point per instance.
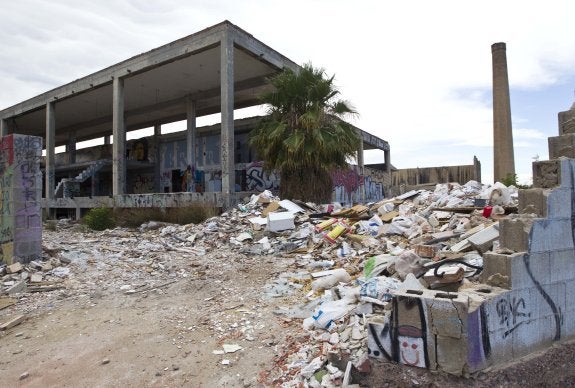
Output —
(71, 147)
(227, 108)
(107, 140)
(503, 159)
(50, 150)
(158, 158)
(191, 132)
(360, 166)
(3, 127)
(119, 135)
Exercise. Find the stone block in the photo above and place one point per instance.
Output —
(562, 146)
(14, 268)
(559, 203)
(546, 174)
(549, 235)
(566, 122)
(533, 201)
(514, 233)
(483, 240)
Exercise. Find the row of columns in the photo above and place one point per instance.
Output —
(119, 130)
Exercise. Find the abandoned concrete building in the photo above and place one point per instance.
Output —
(217, 70)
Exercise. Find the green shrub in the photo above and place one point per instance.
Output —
(99, 218)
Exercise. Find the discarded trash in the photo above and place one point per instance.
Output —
(333, 278)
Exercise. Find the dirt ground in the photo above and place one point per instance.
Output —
(133, 315)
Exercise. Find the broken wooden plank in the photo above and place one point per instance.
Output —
(13, 322)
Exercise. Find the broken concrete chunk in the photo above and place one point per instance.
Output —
(14, 268)
(483, 240)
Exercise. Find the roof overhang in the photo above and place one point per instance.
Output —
(157, 86)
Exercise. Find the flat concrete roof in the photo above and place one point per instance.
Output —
(157, 85)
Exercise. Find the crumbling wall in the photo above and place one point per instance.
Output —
(523, 303)
(20, 198)
(404, 180)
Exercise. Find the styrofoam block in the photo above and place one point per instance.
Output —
(280, 221)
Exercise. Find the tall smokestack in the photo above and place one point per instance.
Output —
(503, 159)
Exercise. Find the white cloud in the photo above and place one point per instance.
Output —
(419, 72)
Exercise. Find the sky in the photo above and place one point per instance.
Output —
(417, 71)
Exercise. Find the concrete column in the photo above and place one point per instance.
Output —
(191, 132)
(50, 150)
(3, 127)
(387, 157)
(503, 159)
(71, 147)
(158, 158)
(119, 142)
(227, 108)
(361, 167)
(107, 140)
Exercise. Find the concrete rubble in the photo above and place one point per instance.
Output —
(349, 269)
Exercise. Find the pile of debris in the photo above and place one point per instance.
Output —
(345, 263)
(352, 261)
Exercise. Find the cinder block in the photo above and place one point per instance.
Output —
(561, 265)
(513, 270)
(566, 122)
(567, 174)
(528, 269)
(447, 314)
(452, 355)
(546, 174)
(551, 235)
(514, 233)
(533, 201)
(562, 146)
(559, 203)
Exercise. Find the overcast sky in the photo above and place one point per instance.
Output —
(418, 72)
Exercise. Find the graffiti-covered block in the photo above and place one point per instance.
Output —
(20, 198)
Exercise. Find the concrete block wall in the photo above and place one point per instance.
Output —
(521, 306)
(20, 198)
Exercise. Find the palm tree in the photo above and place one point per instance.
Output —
(304, 137)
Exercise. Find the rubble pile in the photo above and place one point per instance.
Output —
(345, 266)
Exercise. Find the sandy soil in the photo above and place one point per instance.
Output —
(133, 315)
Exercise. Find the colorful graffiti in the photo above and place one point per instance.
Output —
(349, 187)
(20, 198)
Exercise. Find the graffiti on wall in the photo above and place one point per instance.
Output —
(143, 183)
(349, 185)
(20, 198)
(259, 180)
